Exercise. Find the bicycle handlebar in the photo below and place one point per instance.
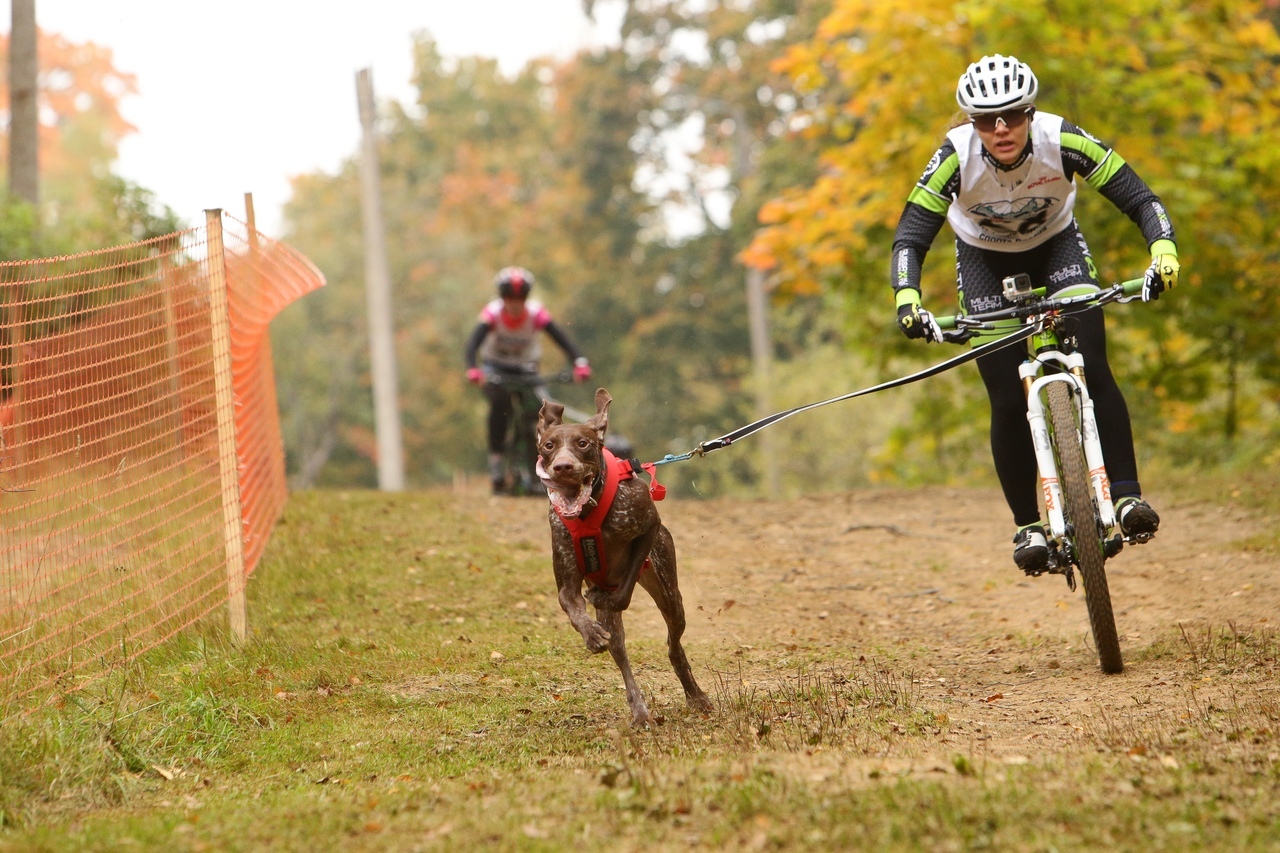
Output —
(527, 379)
(962, 326)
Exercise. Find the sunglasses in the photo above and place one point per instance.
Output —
(1011, 118)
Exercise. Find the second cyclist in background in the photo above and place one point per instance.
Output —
(505, 343)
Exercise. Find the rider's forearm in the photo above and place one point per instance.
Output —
(916, 230)
(478, 335)
(562, 340)
(1131, 195)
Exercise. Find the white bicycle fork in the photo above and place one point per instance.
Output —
(1073, 366)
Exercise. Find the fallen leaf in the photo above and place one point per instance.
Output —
(993, 697)
(728, 604)
(170, 775)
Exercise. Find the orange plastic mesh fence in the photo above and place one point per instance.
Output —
(263, 277)
(112, 534)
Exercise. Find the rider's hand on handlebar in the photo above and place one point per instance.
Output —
(475, 375)
(916, 322)
(581, 370)
(1162, 275)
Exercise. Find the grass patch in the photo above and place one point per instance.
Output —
(1254, 488)
(410, 683)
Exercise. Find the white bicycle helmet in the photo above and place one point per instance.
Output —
(996, 83)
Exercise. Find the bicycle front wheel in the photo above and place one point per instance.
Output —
(1082, 518)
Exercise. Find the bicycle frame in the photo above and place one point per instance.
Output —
(1034, 380)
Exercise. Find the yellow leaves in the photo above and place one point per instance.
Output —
(1168, 84)
(759, 256)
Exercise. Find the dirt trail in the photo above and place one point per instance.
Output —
(928, 574)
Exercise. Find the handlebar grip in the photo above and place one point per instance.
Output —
(946, 322)
(1133, 287)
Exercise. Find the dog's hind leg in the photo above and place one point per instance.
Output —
(661, 583)
(612, 622)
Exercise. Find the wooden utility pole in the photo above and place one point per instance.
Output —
(24, 117)
(757, 314)
(382, 343)
(762, 361)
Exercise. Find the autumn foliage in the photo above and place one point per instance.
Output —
(1186, 91)
(83, 204)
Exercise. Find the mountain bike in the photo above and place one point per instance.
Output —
(1083, 530)
(526, 390)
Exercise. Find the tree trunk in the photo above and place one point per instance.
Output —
(24, 171)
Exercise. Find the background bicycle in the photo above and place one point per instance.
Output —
(520, 394)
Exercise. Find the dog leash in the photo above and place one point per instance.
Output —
(750, 429)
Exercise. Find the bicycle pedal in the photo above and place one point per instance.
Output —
(1139, 539)
(1070, 574)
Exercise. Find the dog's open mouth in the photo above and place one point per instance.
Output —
(568, 499)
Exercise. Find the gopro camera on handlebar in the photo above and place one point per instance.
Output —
(1018, 289)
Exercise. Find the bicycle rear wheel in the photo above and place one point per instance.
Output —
(1082, 518)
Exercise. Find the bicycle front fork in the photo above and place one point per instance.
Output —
(1074, 377)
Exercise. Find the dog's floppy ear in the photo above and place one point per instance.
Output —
(600, 420)
(551, 414)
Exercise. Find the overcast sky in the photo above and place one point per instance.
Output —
(236, 96)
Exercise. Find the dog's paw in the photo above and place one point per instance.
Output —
(700, 702)
(597, 638)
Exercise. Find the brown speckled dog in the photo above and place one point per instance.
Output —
(620, 540)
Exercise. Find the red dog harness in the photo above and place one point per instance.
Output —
(585, 528)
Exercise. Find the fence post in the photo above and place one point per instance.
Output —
(220, 321)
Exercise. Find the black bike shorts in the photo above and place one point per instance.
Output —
(1060, 261)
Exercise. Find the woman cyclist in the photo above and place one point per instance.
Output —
(1004, 181)
(505, 340)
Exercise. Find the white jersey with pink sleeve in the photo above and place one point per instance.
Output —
(513, 341)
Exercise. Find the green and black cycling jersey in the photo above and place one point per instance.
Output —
(1017, 207)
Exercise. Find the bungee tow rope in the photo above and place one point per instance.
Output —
(750, 429)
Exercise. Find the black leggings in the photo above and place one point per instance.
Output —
(1062, 261)
(501, 411)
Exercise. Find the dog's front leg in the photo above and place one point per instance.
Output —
(575, 607)
(569, 592)
(618, 648)
(620, 599)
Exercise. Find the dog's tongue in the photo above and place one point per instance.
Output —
(567, 503)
